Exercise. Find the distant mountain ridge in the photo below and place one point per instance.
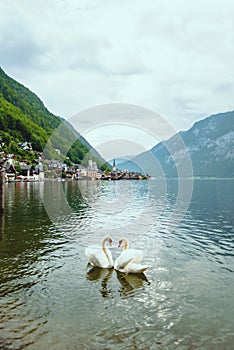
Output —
(210, 143)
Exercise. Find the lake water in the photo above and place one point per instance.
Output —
(50, 298)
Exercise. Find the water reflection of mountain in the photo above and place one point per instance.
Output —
(26, 238)
(215, 193)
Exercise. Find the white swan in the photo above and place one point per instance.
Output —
(100, 256)
(129, 259)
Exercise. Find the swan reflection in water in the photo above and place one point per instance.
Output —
(129, 282)
(98, 273)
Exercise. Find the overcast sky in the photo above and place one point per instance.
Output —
(173, 57)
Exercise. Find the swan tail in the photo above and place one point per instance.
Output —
(93, 260)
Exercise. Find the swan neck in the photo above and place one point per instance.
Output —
(105, 250)
(103, 243)
(125, 244)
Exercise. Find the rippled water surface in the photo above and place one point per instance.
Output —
(51, 299)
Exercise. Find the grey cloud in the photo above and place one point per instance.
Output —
(172, 57)
(97, 54)
(18, 47)
(84, 53)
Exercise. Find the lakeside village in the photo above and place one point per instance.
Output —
(16, 171)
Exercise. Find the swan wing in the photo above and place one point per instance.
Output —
(92, 255)
(137, 255)
(127, 256)
(96, 257)
(134, 268)
(120, 264)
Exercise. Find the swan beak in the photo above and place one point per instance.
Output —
(110, 242)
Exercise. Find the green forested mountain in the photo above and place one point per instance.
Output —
(19, 96)
(23, 117)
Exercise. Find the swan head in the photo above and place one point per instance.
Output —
(123, 241)
(108, 239)
(120, 242)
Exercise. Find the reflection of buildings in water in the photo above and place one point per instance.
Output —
(97, 274)
(130, 283)
(54, 200)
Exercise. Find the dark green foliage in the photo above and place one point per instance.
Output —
(105, 167)
(28, 102)
(15, 127)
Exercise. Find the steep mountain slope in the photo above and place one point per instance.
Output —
(210, 144)
(23, 117)
(29, 104)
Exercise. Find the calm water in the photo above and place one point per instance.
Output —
(50, 298)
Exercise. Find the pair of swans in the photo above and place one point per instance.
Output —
(127, 262)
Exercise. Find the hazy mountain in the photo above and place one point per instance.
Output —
(209, 143)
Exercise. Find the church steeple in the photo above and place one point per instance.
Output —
(114, 166)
